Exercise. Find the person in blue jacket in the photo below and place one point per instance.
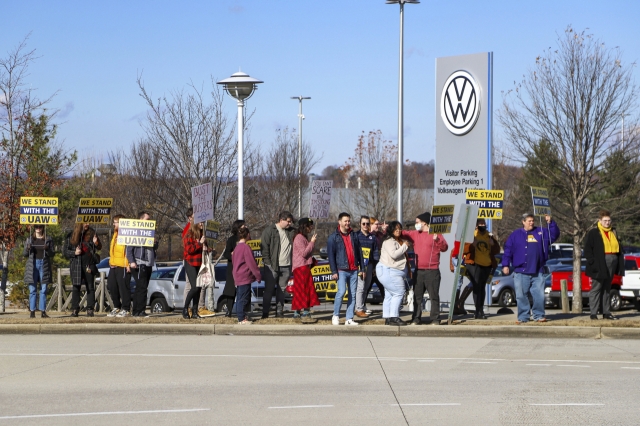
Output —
(346, 263)
(527, 250)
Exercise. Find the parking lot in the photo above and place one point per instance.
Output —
(159, 380)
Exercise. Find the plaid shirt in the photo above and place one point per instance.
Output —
(192, 251)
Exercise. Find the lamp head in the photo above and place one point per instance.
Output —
(403, 1)
(240, 85)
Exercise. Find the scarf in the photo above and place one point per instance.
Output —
(609, 239)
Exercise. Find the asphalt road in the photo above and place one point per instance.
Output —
(267, 380)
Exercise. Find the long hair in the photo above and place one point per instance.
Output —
(76, 235)
(305, 229)
(236, 226)
(391, 228)
(194, 231)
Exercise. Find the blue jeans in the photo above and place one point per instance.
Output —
(37, 278)
(393, 281)
(243, 299)
(529, 284)
(352, 278)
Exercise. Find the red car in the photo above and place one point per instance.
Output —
(615, 297)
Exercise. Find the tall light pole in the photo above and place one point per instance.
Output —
(401, 101)
(300, 118)
(240, 87)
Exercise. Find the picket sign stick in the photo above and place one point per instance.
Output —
(457, 274)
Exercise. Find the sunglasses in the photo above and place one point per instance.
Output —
(365, 224)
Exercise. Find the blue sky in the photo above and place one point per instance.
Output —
(342, 53)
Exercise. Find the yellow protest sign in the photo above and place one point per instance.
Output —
(490, 202)
(38, 210)
(94, 210)
(441, 219)
(136, 232)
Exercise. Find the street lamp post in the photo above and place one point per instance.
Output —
(300, 118)
(240, 87)
(401, 101)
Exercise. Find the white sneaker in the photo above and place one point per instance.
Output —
(335, 320)
(368, 311)
(113, 313)
(123, 314)
(350, 322)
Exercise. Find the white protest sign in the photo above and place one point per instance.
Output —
(469, 214)
(320, 199)
(202, 202)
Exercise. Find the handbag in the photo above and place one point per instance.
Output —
(205, 274)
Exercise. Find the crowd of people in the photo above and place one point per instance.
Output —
(375, 254)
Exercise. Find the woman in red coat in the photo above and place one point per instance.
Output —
(304, 292)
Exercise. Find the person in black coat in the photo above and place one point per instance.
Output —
(229, 292)
(605, 259)
(81, 247)
(39, 250)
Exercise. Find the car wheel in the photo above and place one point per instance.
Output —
(506, 298)
(159, 305)
(615, 300)
(223, 305)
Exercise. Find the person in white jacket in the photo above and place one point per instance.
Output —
(391, 271)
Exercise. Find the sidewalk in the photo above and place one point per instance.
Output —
(560, 325)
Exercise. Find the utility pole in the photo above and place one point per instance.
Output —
(300, 118)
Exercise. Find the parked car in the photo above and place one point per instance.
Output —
(630, 290)
(616, 285)
(166, 289)
(503, 290)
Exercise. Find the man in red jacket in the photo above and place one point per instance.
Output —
(427, 248)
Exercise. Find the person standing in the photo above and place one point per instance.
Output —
(229, 292)
(346, 263)
(80, 247)
(480, 260)
(141, 261)
(527, 249)
(304, 292)
(604, 260)
(369, 245)
(245, 271)
(392, 271)
(276, 245)
(427, 248)
(119, 279)
(39, 251)
(376, 231)
(194, 243)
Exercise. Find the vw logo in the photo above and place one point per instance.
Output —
(460, 103)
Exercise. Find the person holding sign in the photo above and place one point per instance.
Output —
(480, 260)
(194, 243)
(304, 292)
(427, 248)
(119, 279)
(527, 250)
(141, 261)
(605, 259)
(39, 250)
(81, 248)
(346, 262)
(392, 271)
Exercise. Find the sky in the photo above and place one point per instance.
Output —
(341, 53)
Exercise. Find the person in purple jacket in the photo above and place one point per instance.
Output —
(527, 250)
(245, 271)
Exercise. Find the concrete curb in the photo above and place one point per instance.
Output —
(620, 333)
(305, 330)
(545, 332)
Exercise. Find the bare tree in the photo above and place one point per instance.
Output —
(273, 180)
(188, 141)
(560, 121)
(372, 174)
